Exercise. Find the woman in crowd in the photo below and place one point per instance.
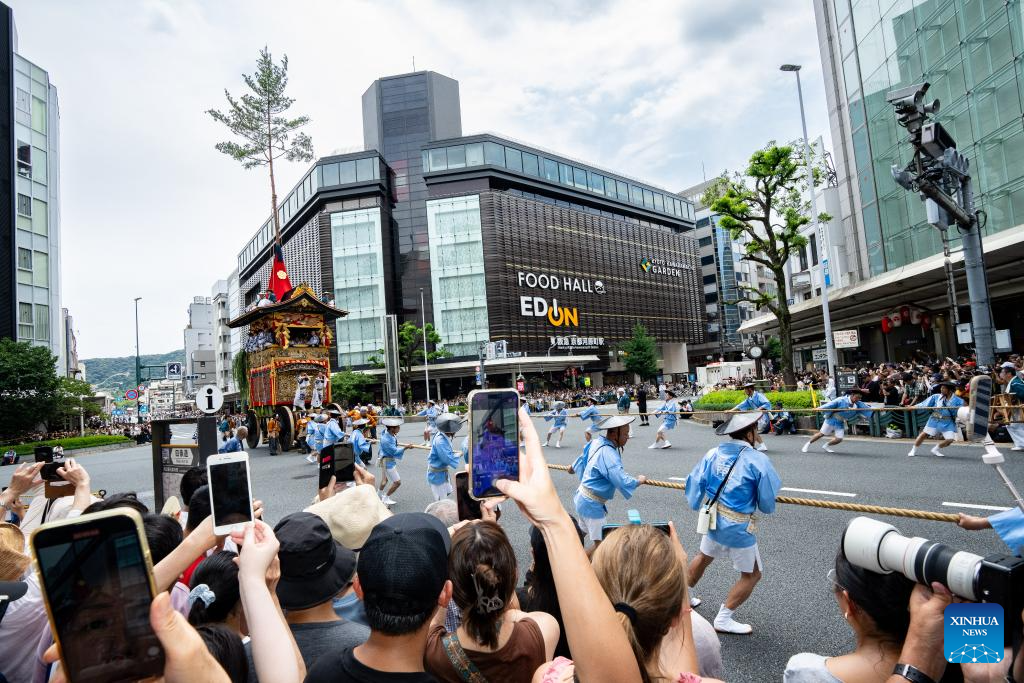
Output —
(875, 607)
(214, 597)
(643, 573)
(499, 641)
(538, 594)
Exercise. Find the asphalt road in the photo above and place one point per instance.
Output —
(792, 610)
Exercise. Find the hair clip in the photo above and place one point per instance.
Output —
(485, 604)
(202, 592)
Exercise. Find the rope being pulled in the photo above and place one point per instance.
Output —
(789, 500)
(811, 502)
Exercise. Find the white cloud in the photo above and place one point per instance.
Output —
(150, 209)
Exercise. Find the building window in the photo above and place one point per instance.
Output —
(550, 170)
(42, 322)
(438, 159)
(23, 101)
(24, 321)
(38, 115)
(814, 250)
(709, 279)
(565, 174)
(514, 159)
(456, 157)
(803, 259)
(24, 205)
(711, 297)
(704, 241)
(707, 260)
(580, 178)
(474, 154)
(494, 154)
(24, 259)
(24, 159)
(40, 268)
(531, 164)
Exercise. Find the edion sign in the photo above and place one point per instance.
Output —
(558, 316)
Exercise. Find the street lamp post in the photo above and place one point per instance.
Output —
(138, 360)
(823, 248)
(426, 370)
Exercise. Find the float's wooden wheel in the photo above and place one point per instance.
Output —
(286, 427)
(252, 424)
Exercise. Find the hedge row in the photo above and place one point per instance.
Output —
(69, 444)
(726, 399)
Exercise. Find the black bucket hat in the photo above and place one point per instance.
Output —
(314, 567)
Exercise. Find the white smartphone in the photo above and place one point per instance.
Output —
(230, 491)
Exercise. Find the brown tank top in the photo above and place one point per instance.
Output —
(514, 661)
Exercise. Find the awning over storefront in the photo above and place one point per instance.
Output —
(922, 283)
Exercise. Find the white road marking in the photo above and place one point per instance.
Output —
(971, 506)
(821, 493)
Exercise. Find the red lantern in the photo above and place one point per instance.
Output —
(926, 322)
(905, 313)
(886, 325)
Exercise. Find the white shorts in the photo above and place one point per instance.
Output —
(441, 491)
(829, 430)
(391, 472)
(594, 527)
(743, 559)
(934, 431)
(665, 427)
(561, 429)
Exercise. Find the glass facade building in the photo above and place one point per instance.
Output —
(972, 53)
(37, 209)
(359, 288)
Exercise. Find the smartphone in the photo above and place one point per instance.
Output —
(326, 463)
(344, 462)
(230, 491)
(608, 528)
(49, 471)
(468, 508)
(493, 439)
(97, 583)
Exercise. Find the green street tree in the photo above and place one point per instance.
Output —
(258, 119)
(766, 204)
(72, 397)
(28, 387)
(349, 387)
(410, 350)
(641, 357)
(240, 372)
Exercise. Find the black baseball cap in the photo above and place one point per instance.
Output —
(314, 567)
(404, 562)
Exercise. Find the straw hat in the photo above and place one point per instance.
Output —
(13, 560)
(737, 423)
(613, 421)
(351, 514)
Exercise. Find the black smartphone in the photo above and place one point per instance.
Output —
(468, 508)
(44, 453)
(344, 462)
(493, 439)
(326, 465)
(97, 582)
(660, 526)
(49, 472)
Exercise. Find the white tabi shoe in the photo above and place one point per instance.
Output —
(666, 444)
(937, 453)
(724, 623)
(827, 449)
(803, 449)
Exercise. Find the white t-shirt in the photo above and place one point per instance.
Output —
(808, 667)
(20, 631)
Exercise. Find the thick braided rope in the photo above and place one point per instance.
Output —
(828, 504)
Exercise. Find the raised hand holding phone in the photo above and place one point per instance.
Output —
(493, 440)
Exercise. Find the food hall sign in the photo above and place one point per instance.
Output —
(559, 282)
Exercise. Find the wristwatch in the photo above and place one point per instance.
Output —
(912, 673)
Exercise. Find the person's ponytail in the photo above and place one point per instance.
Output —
(482, 567)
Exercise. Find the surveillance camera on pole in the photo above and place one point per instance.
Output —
(941, 176)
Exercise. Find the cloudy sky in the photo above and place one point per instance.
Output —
(660, 90)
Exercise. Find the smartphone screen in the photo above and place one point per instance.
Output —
(326, 467)
(344, 462)
(96, 578)
(229, 493)
(493, 440)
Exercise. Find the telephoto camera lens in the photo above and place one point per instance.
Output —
(881, 548)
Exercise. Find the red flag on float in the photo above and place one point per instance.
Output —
(279, 283)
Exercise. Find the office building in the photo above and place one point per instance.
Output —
(503, 241)
(970, 52)
(220, 300)
(72, 367)
(200, 346)
(30, 286)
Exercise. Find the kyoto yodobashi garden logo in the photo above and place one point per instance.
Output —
(973, 632)
(659, 266)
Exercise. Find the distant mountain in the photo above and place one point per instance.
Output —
(117, 375)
